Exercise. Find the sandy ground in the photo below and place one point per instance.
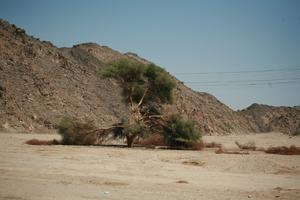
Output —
(73, 172)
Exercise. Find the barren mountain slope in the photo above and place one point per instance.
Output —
(40, 83)
(264, 118)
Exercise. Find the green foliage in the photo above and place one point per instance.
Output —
(76, 133)
(160, 84)
(181, 133)
(126, 70)
(145, 88)
(136, 77)
(133, 130)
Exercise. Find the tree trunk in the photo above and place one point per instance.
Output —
(130, 140)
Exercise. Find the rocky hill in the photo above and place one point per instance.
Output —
(40, 83)
(264, 118)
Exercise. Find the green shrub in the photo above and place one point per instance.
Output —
(131, 132)
(76, 133)
(133, 129)
(181, 133)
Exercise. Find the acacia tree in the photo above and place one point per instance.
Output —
(145, 89)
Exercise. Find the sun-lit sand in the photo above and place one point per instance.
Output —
(74, 172)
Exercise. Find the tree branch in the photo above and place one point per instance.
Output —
(130, 96)
(141, 100)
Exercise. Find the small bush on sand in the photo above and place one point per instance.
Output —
(224, 151)
(199, 145)
(247, 146)
(152, 140)
(283, 150)
(212, 145)
(76, 133)
(43, 142)
(181, 133)
(193, 162)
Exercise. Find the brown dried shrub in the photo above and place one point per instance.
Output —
(223, 151)
(156, 140)
(246, 146)
(212, 145)
(193, 162)
(182, 181)
(152, 140)
(283, 150)
(43, 142)
(198, 145)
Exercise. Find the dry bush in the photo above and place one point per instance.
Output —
(246, 146)
(182, 181)
(223, 151)
(260, 149)
(43, 142)
(74, 132)
(193, 162)
(198, 145)
(156, 140)
(283, 150)
(212, 145)
(152, 140)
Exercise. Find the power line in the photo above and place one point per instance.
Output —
(249, 84)
(239, 72)
(243, 81)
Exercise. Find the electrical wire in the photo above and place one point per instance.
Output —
(243, 81)
(240, 72)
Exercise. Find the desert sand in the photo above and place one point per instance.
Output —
(97, 172)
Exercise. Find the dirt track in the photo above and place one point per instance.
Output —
(72, 172)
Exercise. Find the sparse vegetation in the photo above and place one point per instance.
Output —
(74, 132)
(131, 132)
(182, 181)
(199, 145)
(212, 145)
(43, 142)
(181, 133)
(152, 140)
(283, 150)
(247, 146)
(224, 151)
(193, 162)
(145, 89)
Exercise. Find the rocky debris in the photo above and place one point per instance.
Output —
(40, 83)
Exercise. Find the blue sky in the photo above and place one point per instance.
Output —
(240, 51)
